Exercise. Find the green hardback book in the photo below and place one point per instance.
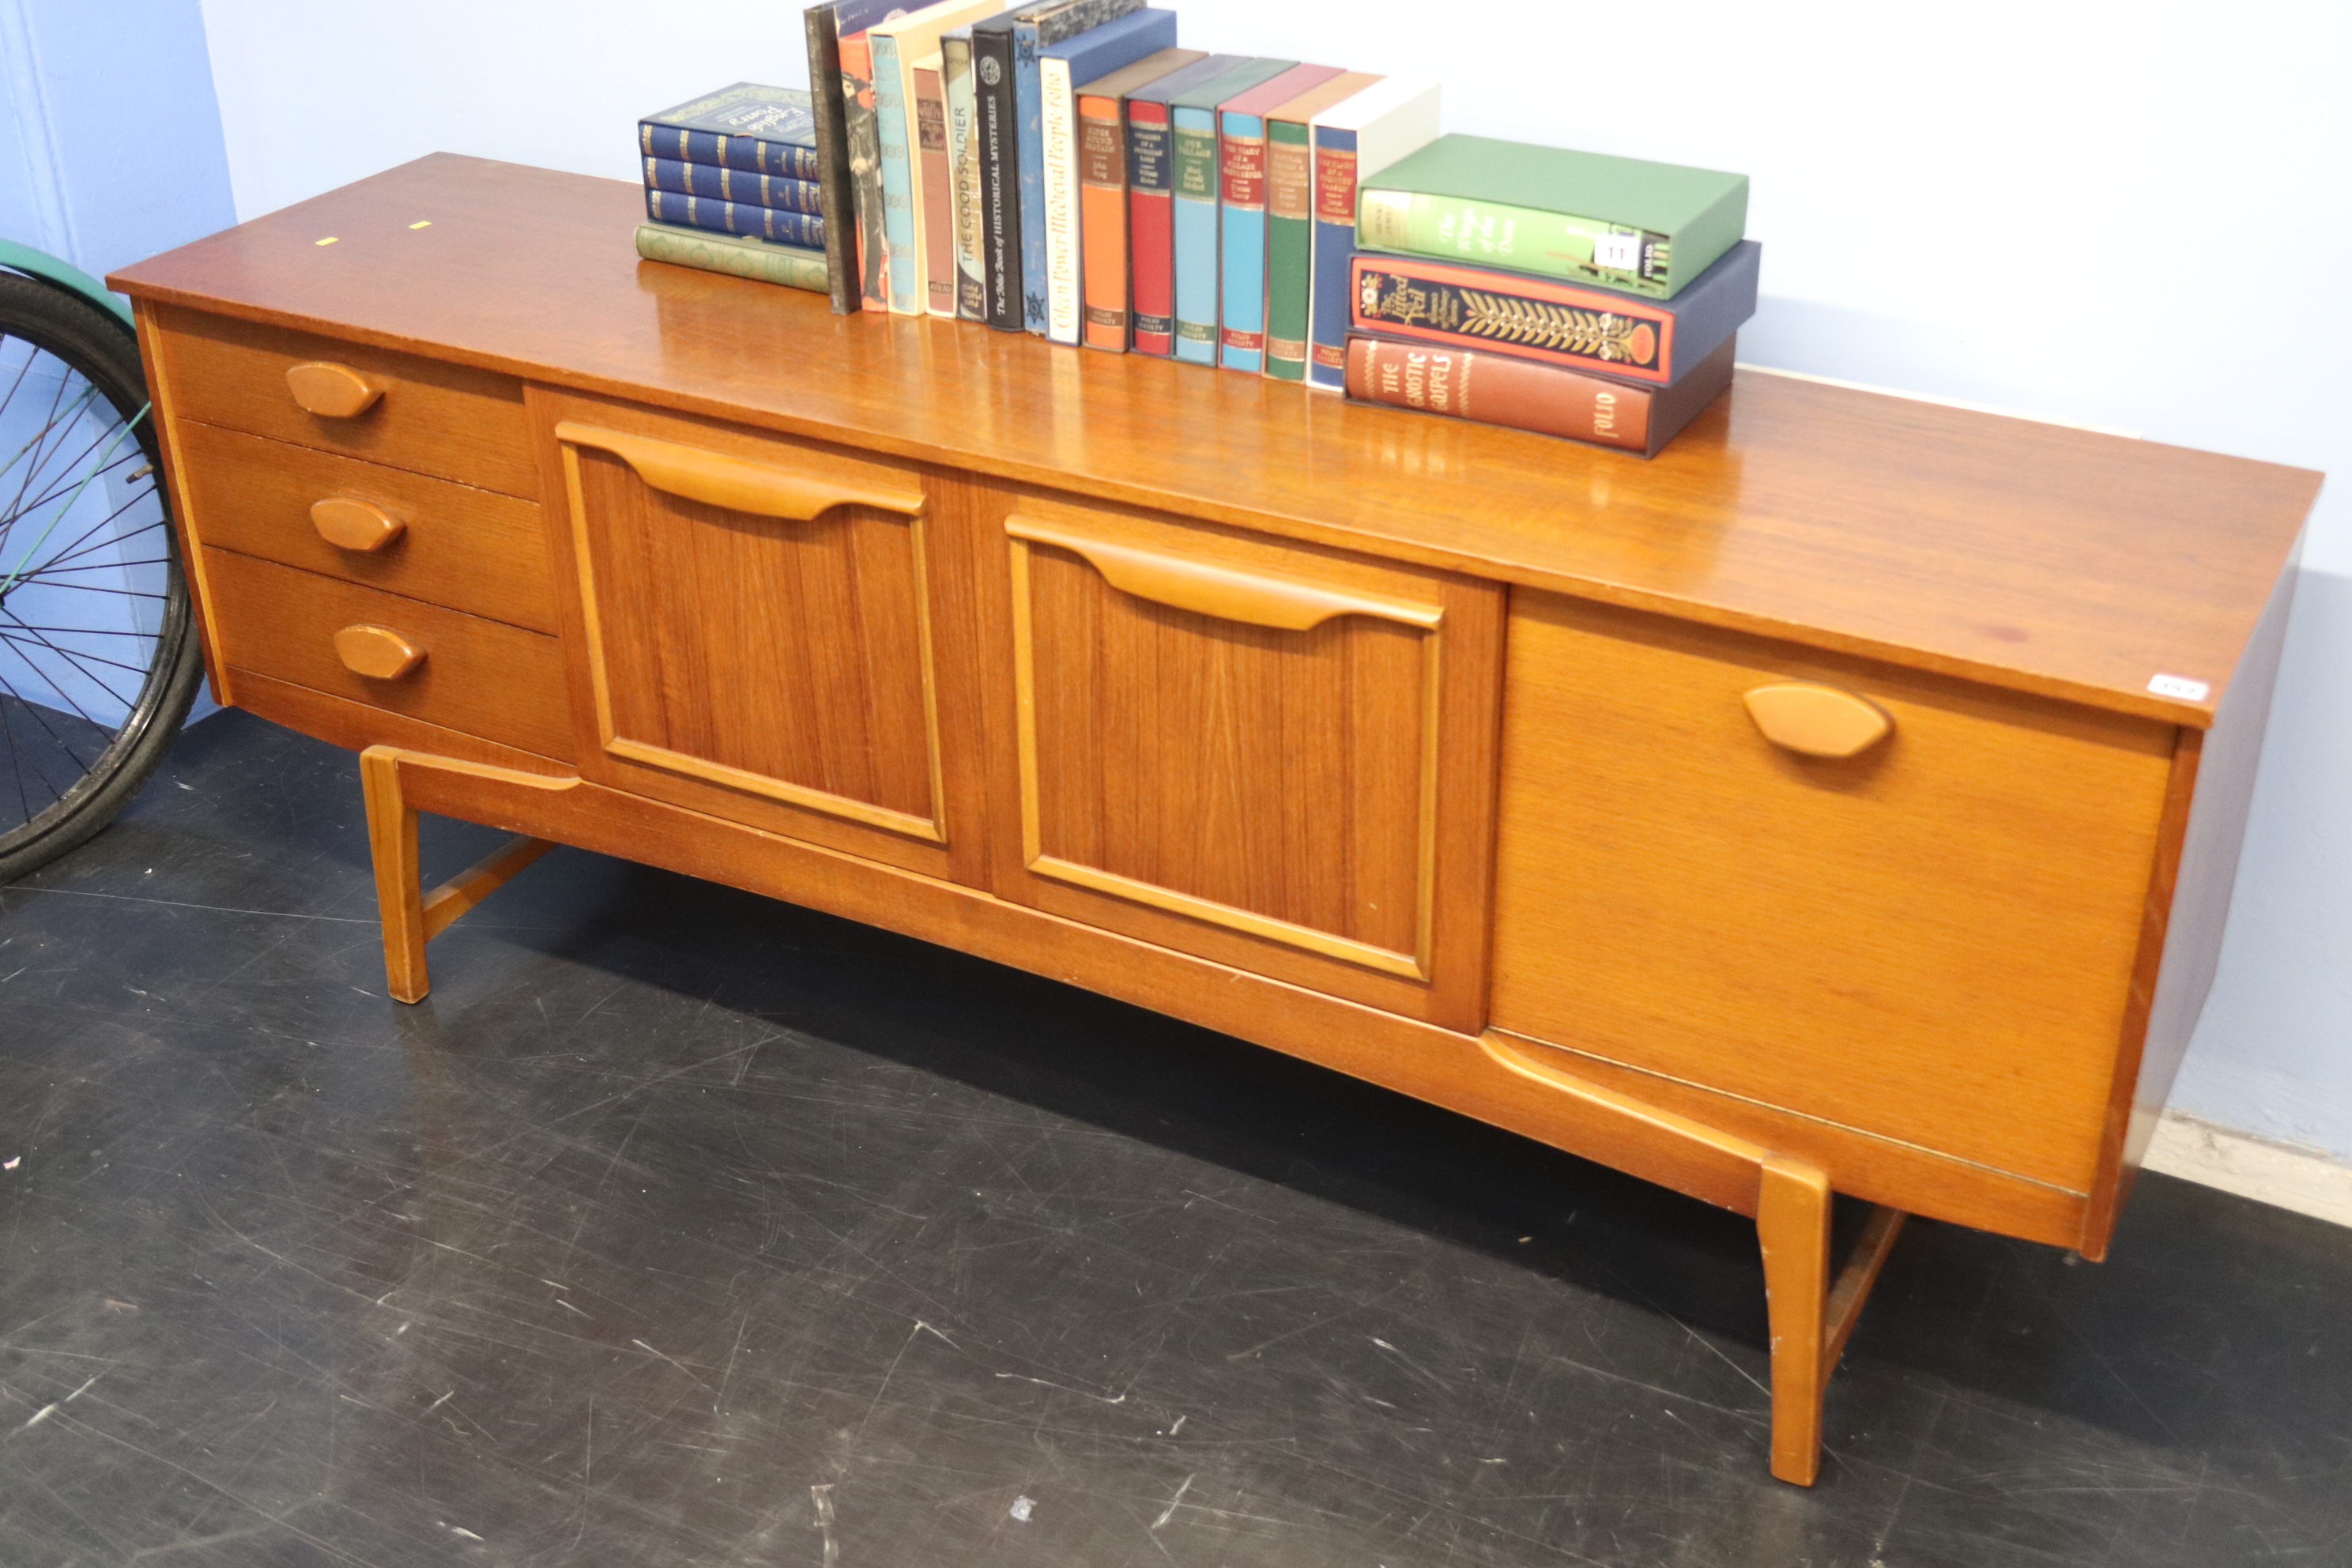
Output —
(785, 264)
(1617, 223)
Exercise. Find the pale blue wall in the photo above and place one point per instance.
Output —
(110, 146)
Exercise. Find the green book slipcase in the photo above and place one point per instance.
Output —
(1616, 222)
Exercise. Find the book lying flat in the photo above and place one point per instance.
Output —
(1616, 222)
(1494, 389)
(1532, 316)
(748, 127)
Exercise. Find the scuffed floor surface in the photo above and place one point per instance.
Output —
(682, 1228)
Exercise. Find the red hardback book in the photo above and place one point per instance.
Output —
(1151, 235)
(935, 186)
(1103, 194)
(1497, 389)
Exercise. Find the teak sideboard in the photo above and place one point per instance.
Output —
(1845, 801)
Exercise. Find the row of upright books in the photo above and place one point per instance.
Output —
(1067, 170)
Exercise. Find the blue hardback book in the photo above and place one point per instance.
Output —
(1241, 216)
(1093, 53)
(737, 217)
(725, 185)
(1033, 28)
(1193, 128)
(747, 126)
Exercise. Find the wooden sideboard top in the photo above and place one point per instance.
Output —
(2032, 556)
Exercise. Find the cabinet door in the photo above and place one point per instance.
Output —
(1270, 755)
(1930, 940)
(754, 632)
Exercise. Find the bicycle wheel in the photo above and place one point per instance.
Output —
(98, 658)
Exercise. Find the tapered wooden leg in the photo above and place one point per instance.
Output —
(413, 917)
(1793, 1223)
(399, 898)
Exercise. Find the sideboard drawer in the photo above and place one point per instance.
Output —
(1931, 940)
(480, 677)
(428, 539)
(416, 414)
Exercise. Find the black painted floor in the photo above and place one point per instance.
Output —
(683, 1227)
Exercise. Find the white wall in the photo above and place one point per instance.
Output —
(2131, 214)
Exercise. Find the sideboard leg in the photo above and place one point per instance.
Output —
(399, 899)
(413, 917)
(1811, 1316)
(1792, 1224)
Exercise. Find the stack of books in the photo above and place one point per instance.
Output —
(1064, 169)
(731, 187)
(1572, 293)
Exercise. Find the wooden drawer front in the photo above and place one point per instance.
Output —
(426, 416)
(1244, 749)
(1931, 941)
(471, 550)
(757, 628)
(480, 677)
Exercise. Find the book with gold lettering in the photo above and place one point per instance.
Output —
(1494, 389)
(1587, 217)
(1290, 220)
(1535, 318)
(1366, 132)
(1060, 68)
(1241, 213)
(1103, 194)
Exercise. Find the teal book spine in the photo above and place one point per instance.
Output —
(1241, 213)
(901, 273)
(1194, 215)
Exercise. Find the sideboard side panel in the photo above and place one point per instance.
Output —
(2187, 928)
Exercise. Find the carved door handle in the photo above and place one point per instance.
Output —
(1227, 593)
(377, 653)
(333, 390)
(736, 483)
(349, 523)
(1817, 721)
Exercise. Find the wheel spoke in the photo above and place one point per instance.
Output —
(22, 646)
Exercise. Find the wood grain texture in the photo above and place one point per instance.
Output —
(392, 847)
(356, 726)
(1298, 791)
(2033, 556)
(471, 550)
(176, 482)
(2187, 907)
(1792, 1228)
(1861, 1164)
(446, 903)
(429, 416)
(477, 677)
(1932, 941)
(778, 670)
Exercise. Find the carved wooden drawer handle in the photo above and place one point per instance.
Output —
(1817, 721)
(736, 483)
(1224, 592)
(349, 523)
(335, 391)
(378, 653)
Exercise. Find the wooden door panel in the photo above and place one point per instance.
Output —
(1241, 748)
(756, 634)
(1930, 940)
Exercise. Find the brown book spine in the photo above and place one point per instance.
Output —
(1497, 389)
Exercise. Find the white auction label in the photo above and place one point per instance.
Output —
(1621, 251)
(2179, 686)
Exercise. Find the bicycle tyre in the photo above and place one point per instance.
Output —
(94, 345)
